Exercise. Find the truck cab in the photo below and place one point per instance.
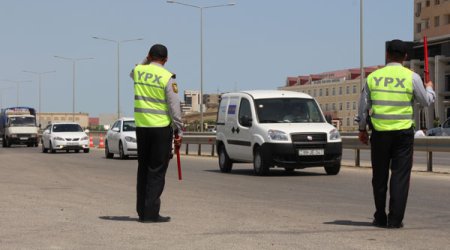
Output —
(18, 126)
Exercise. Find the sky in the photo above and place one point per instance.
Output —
(254, 44)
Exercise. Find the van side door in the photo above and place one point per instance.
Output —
(244, 130)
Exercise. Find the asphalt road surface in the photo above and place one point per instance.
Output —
(84, 201)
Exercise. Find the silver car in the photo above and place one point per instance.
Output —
(121, 139)
(443, 130)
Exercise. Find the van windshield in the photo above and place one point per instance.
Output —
(288, 110)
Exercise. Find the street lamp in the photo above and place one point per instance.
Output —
(39, 74)
(18, 87)
(73, 60)
(201, 47)
(118, 42)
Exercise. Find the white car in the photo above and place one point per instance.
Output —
(64, 136)
(121, 139)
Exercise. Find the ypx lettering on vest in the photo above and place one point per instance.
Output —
(149, 76)
(389, 80)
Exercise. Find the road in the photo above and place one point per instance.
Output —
(84, 201)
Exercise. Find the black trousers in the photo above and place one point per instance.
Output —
(391, 150)
(154, 146)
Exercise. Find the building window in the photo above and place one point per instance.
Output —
(333, 107)
(348, 106)
(340, 90)
(436, 21)
(77, 118)
(427, 3)
(315, 93)
(320, 92)
(334, 92)
(56, 119)
(354, 89)
(437, 2)
(347, 90)
(326, 92)
(63, 118)
(340, 106)
(447, 19)
(354, 105)
(418, 27)
(326, 107)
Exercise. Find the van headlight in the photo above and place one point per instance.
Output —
(130, 139)
(277, 135)
(334, 135)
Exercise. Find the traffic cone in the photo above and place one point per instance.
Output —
(102, 143)
(91, 142)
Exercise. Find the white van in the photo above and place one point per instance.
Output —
(273, 128)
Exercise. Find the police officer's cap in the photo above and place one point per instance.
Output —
(396, 47)
(158, 51)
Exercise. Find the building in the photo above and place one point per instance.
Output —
(432, 19)
(192, 100)
(337, 93)
(47, 118)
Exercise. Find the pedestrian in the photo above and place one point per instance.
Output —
(388, 98)
(157, 114)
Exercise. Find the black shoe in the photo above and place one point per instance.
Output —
(377, 223)
(158, 219)
(399, 225)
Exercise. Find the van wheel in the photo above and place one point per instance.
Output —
(260, 166)
(333, 169)
(225, 163)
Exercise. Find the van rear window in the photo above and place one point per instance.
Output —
(288, 110)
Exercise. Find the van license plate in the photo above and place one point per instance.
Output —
(23, 138)
(305, 152)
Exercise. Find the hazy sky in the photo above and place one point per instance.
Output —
(251, 45)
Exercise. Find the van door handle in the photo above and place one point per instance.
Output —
(232, 130)
(237, 130)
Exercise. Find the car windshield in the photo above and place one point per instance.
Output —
(288, 110)
(67, 128)
(22, 121)
(129, 126)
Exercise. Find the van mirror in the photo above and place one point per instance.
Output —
(245, 121)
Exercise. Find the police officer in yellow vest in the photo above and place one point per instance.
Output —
(388, 99)
(156, 112)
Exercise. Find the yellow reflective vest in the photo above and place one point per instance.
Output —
(391, 93)
(150, 106)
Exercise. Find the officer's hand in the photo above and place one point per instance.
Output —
(364, 137)
(429, 84)
(177, 142)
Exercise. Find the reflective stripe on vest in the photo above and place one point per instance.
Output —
(150, 106)
(391, 92)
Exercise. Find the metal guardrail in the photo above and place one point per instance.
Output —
(428, 144)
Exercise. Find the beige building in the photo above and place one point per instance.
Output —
(337, 93)
(47, 118)
(431, 18)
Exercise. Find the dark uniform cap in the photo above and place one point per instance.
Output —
(396, 47)
(158, 51)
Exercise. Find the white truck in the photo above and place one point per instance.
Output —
(18, 126)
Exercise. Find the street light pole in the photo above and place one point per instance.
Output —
(73, 60)
(118, 42)
(39, 74)
(201, 47)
